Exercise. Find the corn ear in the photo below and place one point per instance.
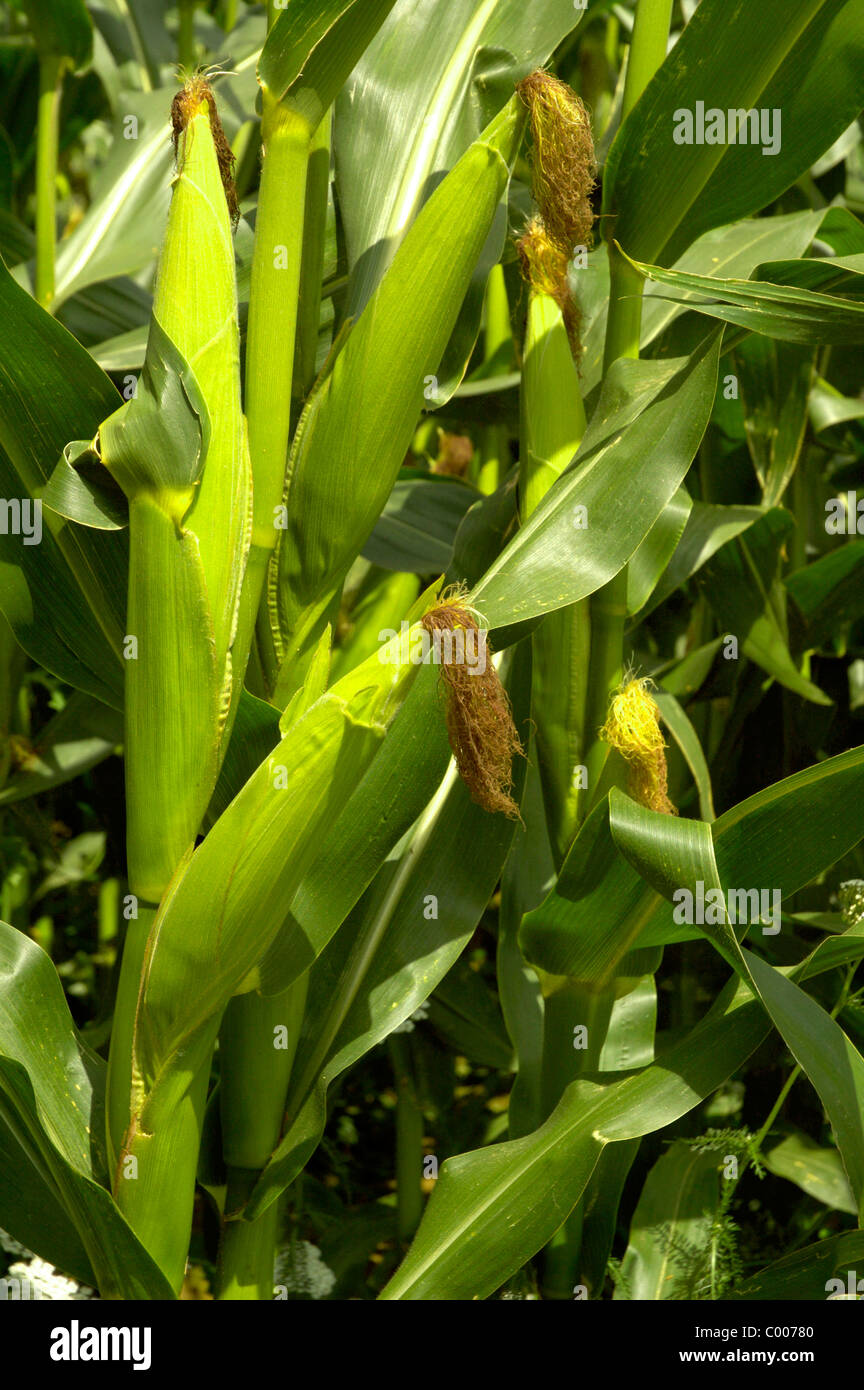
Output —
(352, 437)
(189, 512)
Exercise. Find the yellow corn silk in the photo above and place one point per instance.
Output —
(562, 158)
(632, 728)
(545, 266)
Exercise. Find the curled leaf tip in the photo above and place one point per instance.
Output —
(632, 728)
(195, 98)
(480, 727)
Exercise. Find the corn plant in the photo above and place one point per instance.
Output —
(431, 446)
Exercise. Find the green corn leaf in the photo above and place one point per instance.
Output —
(424, 89)
(750, 600)
(669, 1254)
(156, 444)
(79, 489)
(63, 29)
(685, 736)
(381, 602)
(786, 312)
(391, 952)
(352, 440)
(466, 1013)
(802, 58)
(817, 1170)
(646, 427)
(806, 1274)
(781, 838)
(829, 591)
(676, 854)
(51, 1094)
(124, 223)
(417, 528)
(600, 1221)
(774, 380)
(65, 598)
(80, 736)
(400, 781)
(493, 1208)
(312, 48)
(731, 252)
(708, 527)
(649, 564)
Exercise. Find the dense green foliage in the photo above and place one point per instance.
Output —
(326, 938)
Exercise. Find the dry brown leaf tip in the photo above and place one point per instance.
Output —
(455, 452)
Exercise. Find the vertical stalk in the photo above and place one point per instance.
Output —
(164, 1141)
(647, 49)
(552, 424)
(257, 1044)
(246, 149)
(497, 337)
(282, 338)
(47, 143)
(409, 1141)
(247, 1248)
(623, 329)
(562, 1258)
(551, 428)
(801, 511)
(568, 1006)
(312, 263)
(186, 35)
(270, 340)
(173, 732)
(119, 1079)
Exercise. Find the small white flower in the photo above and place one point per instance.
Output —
(11, 1246)
(300, 1269)
(407, 1026)
(45, 1283)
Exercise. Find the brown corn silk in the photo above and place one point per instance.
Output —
(562, 158)
(562, 169)
(480, 726)
(194, 94)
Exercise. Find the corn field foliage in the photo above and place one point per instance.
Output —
(432, 649)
